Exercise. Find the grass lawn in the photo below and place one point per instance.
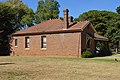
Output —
(44, 68)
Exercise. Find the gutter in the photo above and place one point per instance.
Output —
(47, 32)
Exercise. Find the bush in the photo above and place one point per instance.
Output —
(103, 50)
(86, 54)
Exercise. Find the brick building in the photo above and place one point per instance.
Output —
(56, 38)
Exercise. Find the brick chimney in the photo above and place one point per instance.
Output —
(70, 19)
(66, 18)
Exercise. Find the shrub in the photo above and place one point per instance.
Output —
(104, 49)
(86, 54)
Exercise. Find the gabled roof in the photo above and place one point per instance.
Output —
(79, 25)
(54, 25)
(57, 26)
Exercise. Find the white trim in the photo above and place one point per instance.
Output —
(27, 48)
(43, 49)
(16, 46)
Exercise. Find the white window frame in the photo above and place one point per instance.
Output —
(43, 42)
(27, 42)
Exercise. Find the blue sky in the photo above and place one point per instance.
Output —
(77, 7)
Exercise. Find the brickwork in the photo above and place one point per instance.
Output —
(90, 31)
(58, 45)
(64, 38)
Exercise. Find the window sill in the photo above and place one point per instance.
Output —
(16, 46)
(27, 48)
(43, 49)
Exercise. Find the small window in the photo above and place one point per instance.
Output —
(43, 42)
(27, 42)
(16, 42)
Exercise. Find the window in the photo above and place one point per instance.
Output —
(16, 42)
(43, 42)
(27, 42)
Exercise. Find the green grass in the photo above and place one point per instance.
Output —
(46, 68)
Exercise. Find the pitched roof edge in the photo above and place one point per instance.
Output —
(48, 32)
(36, 25)
(85, 25)
(100, 37)
(91, 26)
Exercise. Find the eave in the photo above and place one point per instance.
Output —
(48, 32)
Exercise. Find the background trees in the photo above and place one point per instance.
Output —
(47, 9)
(106, 23)
(7, 22)
(14, 15)
(24, 14)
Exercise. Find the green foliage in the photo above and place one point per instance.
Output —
(86, 54)
(103, 49)
(47, 9)
(113, 32)
(7, 26)
(23, 13)
(106, 23)
(99, 19)
(14, 14)
(118, 9)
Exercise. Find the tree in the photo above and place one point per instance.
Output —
(24, 14)
(113, 32)
(99, 19)
(47, 9)
(106, 23)
(7, 26)
(118, 9)
(118, 32)
(13, 15)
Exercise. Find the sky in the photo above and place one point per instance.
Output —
(77, 7)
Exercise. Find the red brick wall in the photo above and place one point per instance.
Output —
(58, 45)
(90, 31)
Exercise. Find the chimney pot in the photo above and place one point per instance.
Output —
(70, 19)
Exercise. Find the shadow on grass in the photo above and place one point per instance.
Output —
(6, 63)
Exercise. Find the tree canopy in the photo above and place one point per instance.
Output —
(118, 9)
(14, 14)
(24, 14)
(106, 23)
(47, 9)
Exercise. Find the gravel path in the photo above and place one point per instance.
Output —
(108, 57)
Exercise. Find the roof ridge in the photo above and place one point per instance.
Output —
(50, 20)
